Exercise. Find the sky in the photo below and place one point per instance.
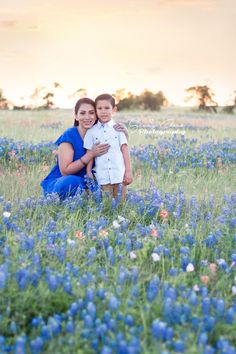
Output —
(105, 45)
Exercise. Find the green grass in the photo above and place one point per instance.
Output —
(32, 216)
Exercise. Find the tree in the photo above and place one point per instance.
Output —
(57, 85)
(151, 101)
(231, 105)
(147, 100)
(49, 102)
(129, 102)
(80, 93)
(205, 97)
(4, 103)
(120, 94)
(43, 97)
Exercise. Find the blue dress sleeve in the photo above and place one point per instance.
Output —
(66, 137)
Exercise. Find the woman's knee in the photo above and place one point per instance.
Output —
(68, 184)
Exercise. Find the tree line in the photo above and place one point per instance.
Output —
(43, 98)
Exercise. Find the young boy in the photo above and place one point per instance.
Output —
(114, 167)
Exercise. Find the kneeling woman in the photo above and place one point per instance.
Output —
(67, 176)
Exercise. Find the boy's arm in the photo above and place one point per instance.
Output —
(89, 167)
(128, 168)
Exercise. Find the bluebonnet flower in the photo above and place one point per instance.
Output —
(152, 289)
(3, 279)
(52, 283)
(46, 333)
(68, 287)
(13, 327)
(106, 350)
(113, 303)
(91, 255)
(206, 306)
(36, 345)
(159, 329)
(220, 307)
(20, 345)
(179, 346)
(70, 326)
(129, 320)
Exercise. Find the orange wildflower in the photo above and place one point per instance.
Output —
(204, 279)
(154, 233)
(213, 267)
(103, 233)
(79, 234)
(164, 214)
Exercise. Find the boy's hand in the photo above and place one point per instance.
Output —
(127, 179)
(90, 175)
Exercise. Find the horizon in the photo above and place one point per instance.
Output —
(161, 45)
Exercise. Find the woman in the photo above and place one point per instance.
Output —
(67, 176)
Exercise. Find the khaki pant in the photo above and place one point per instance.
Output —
(114, 188)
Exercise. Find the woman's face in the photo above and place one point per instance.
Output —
(86, 116)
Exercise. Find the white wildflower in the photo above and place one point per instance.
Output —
(6, 214)
(132, 255)
(220, 261)
(190, 268)
(121, 218)
(234, 290)
(155, 257)
(115, 224)
(196, 288)
(70, 242)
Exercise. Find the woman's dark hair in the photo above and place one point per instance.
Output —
(79, 103)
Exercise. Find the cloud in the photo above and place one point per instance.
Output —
(153, 70)
(33, 28)
(203, 4)
(18, 26)
(188, 2)
(13, 55)
(10, 24)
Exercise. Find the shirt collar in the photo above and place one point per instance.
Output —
(108, 124)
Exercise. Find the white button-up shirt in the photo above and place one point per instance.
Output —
(110, 167)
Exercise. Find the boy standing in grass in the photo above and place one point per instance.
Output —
(114, 167)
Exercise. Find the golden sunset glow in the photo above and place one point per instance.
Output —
(103, 46)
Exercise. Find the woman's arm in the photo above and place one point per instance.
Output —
(66, 153)
(120, 127)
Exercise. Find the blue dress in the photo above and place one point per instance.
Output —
(66, 185)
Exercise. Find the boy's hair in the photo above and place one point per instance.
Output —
(106, 97)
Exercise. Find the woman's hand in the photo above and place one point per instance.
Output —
(120, 127)
(99, 149)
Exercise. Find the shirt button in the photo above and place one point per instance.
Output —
(105, 140)
(104, 131)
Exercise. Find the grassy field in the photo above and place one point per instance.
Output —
(155, 274)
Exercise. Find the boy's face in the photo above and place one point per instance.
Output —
(105, 111)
